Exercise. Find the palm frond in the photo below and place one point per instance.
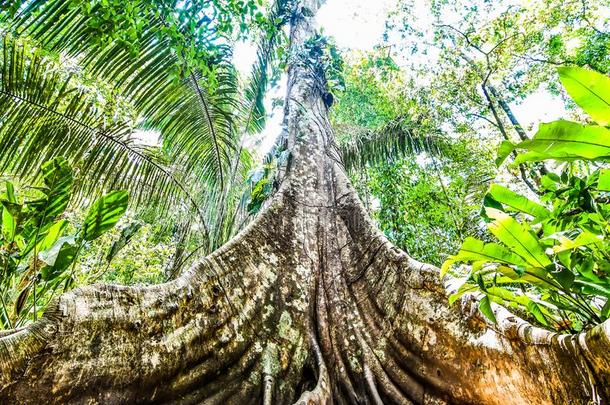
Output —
(396, 139)
(196, 109)
(266, 56)
(154, 80)
(47, 113)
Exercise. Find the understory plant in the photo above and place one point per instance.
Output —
(40, 246)
(551, 261)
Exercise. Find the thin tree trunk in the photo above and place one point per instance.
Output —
(509, 112)
(309, 304)
(500, 126)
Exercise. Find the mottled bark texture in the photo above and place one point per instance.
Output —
(309, 304)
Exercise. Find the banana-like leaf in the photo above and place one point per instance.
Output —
(565, 140)
(505, 149)
(10, 218)
(589, 89)
(104, 214)
(518, 202)
(58, 257)
(464, 289)
(518, 237)
(583, 239)
(52, 235)
(532, 275)
(537, 312)
(42, 212)
(504, 296)
(475, 250)
(485, 308)
(58, 179)
(603, 183)
(595, 287)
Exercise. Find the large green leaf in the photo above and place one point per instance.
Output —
(517, 202)
(537, 312)
(565, 140)
(539, 277)
(10, 219)
(505, 149)
(58, 179)
(485, 307)
(518, 237)
(503, 296)
(104, 214)
(590, 90)
(599, 289)
(475, 250)
(58, 257)
(461, 291)
(583, 239)
(603, 183)
(10, 192)
(52, 235)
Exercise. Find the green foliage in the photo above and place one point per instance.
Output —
(422, 187)
(127, 234)
(262, 188)
(321, 55)
(264, 181)
(49, 111)
(270, 62)
(39, 248)
(565, 140)
(104, 214)
(590, 90)
(424, 205)
(372, 95)
(133, 252)
(377, 120)
(83, 79)
(553, 260)
(489, 56)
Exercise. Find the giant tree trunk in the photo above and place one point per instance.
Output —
(308, 304)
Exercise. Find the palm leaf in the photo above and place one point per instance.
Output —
(266, 56)
(150, 80)
(47, 113)
(196, 109)
(392, 141)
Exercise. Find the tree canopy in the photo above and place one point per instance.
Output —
(130, 153)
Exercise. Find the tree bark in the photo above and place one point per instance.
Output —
(309, 304)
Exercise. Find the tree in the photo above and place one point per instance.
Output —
(309, 303)
(479, 57)
(422, 186)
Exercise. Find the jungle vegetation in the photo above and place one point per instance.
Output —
(129, 153)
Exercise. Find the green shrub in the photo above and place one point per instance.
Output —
(552, 259)
(39, 247)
